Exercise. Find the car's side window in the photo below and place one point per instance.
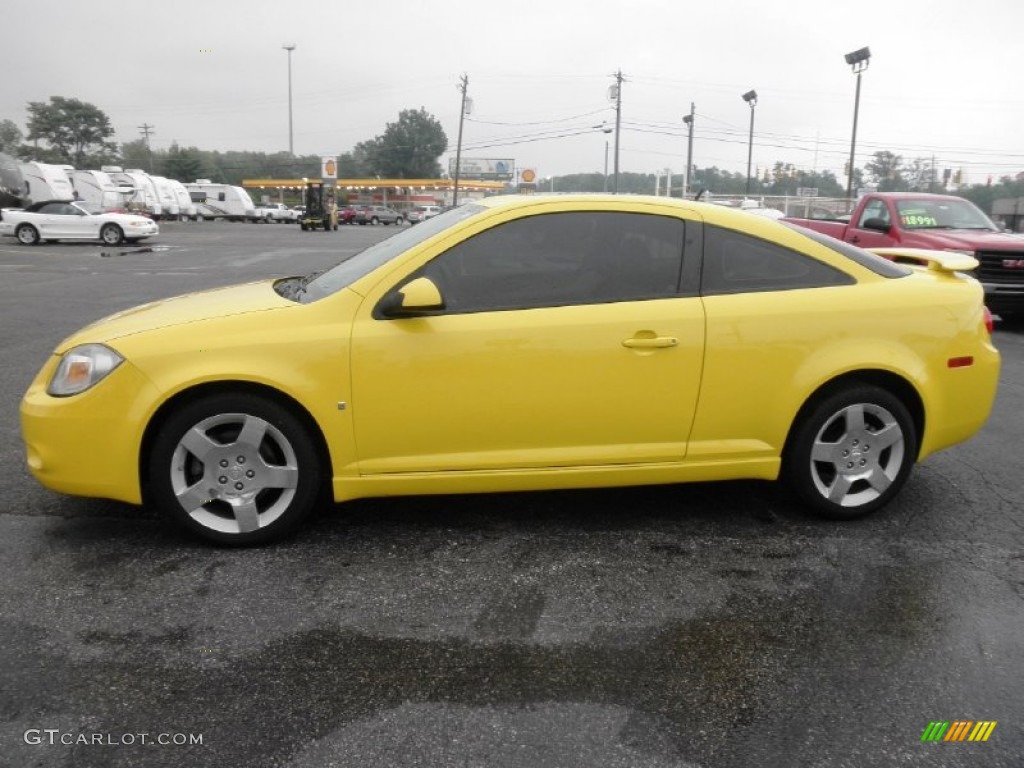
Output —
(875, 209)
(738, 263)
(52, 208)
(557, 259)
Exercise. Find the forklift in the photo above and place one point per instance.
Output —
(321, 207)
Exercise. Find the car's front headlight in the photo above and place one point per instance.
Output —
(81, 367)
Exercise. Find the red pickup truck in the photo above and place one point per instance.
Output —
(941, 223)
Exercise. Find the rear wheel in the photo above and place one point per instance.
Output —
(235, 468)
(852, 452)
(27, 234)
(111, 234)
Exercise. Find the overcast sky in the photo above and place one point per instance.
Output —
(944, 78)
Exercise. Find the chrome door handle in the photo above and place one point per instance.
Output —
(658, 342)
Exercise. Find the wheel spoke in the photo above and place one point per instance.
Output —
(879, 480)
(889, 435)
(252, 432)
(280, 477)
(198, 443)
(246, 515)
(193, 497)
(823, 451)
(855, 420)
(840, 488)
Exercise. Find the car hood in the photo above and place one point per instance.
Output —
(970, 239)
(182, 310)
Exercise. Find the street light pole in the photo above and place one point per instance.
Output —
(605, 129)
(858, 61)
(606, 166)
(751, 98)
(291, 147)
(688, 119)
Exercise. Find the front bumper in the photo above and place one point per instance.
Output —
(88, 444)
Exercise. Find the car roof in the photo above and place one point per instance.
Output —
(709, 212)
(41, 203)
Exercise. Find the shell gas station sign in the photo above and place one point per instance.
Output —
(527, 180)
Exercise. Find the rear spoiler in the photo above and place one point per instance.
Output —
(940, 261)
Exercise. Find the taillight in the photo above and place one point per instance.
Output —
(989, 325)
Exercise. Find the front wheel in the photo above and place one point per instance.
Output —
(27, 234)
(111, 234)
(852, 452)
(235, 468)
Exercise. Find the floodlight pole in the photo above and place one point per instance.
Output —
(751, 98)
(291, 146)
(858, 61)
(688, 119)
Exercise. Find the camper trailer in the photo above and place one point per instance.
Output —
(45, 182)
(186, 208)
(168, 200)
(221, 201)
(97, 187)
(144, 197)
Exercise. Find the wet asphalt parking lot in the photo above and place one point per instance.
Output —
(702, 625)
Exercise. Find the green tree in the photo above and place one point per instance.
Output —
(183, 164)
(885, 170)
(136, 154)
(408, 149)
(78, 132)
(10, 137)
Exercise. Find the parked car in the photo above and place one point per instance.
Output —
(278, 212)
(942, 222)
(347, 215)
(422, 213)
(377, 214)
(61, 220)
(524, 343)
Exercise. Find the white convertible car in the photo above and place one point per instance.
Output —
(63, 220)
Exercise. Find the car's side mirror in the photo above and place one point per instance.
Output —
(878, 225)
(414, 299)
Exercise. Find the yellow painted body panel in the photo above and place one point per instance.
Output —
(526, 399)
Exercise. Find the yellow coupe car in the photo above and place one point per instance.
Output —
(525, 343)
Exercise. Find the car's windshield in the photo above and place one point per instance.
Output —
(90, 208)
(347, 272)
(950, 213)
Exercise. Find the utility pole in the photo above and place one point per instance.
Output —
(688, 119)
(291, 146)
(462, 86)
(147, 129)
(618, 126)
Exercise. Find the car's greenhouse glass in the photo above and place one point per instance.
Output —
(866, 259)
(949, 213)
(557, 259)
(90, 208)
(366, 261)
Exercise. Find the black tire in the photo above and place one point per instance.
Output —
(111, 234)
(851, 452)
(375, 221)
(27, 234)
(207, 453)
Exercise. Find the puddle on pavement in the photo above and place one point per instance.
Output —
(128, 251)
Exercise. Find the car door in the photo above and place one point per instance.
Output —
(874, 208)
(567, 340)
(50, 221)
(74, 223)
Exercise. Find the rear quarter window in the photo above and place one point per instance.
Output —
(735, 262)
